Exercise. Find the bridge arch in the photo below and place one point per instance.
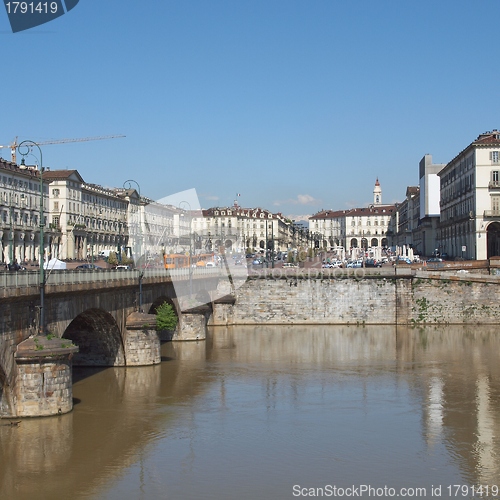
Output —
(159, 301)
(98, 337)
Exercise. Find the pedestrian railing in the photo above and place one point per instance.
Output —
(16, 279)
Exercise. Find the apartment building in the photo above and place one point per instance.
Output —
(345, 231)
(470, 200)
(20, 212)
(235, 229)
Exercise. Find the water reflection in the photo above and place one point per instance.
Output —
(254, 410)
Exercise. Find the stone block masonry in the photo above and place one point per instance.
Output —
(417, 299)
(44, 387)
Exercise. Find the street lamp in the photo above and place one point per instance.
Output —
(28, 146)
(190, 248)
(11, 233)
(141, 273)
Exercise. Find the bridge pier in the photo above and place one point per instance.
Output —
(44, 384)
(222, 310)
(141, 340)
(193, 324)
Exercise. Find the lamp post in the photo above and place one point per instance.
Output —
(190, 248)
(141, 273)
(11, 233)
(270, 245)
(28, 146)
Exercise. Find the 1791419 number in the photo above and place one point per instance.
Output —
(31, 7)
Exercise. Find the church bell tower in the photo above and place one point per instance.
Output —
(377, 194)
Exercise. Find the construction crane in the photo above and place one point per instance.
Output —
(13, 146)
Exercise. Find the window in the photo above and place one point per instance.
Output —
(495, 176)
(494, 157)
(55, 192)
(495, 204)
(56, 205)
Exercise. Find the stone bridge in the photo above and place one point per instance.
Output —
(100, 318)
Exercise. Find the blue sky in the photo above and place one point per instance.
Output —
(295, 105)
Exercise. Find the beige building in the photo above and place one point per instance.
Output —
(405, 221)
(87, 218)
(470, 200)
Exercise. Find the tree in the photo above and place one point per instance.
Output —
(166, 318)
(112, 259)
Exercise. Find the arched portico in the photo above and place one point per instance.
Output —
(493, 239)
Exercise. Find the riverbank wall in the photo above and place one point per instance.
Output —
(396, 297)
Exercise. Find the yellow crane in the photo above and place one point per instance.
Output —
(13, 145)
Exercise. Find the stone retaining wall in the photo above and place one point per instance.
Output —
(419, 298)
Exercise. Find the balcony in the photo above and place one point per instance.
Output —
(491, 213)
(494, 185)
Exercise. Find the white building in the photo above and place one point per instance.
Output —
(348, 231)
(19, 212)
(236, 229)
(425, 233)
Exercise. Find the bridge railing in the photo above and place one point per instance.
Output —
(64, 277)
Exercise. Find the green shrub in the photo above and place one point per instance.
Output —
(166, 318)
(112, 259)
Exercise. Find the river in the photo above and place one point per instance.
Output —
(273, 412)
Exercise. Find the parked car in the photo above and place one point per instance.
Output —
(87, 266)
(256, 262)
(210, 264)
(403, 260)
(16, 267)
(372, 263)
(435, 259)
(123, 267)
(355, 263)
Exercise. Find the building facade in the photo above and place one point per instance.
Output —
(470, 201)
(20, 214)
(236, 229)
(425, 232)
(346, 232)
(87, 218)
